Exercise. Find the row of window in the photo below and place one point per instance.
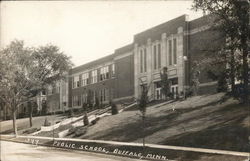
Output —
(92, 77)
(86, 97)
(157, 50)
(172, 52)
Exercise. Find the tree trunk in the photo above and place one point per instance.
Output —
(30, 112)
(14, 123)
(143, 130)
(30, 119)
(5, 112)
(232, 73)
(244, 26)
(245, 73)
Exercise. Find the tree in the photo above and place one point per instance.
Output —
(222, 82)
(97, 102)
(24, 72)
(90, 98)
(165, 83)
(30, 108)
(44, 107)
(233, 21)
(85, 117)
(114, 109)
(143, 101)
(195, 78)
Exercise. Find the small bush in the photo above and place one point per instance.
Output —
(93, 122)
(81, 131)
(222, 84)
(71, 113)
(85, 120)
(189, 93)
(72, 130)
(59, 112)
(46, 122)
(177, 97)
(114, 109)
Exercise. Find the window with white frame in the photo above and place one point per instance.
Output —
(94, 76)
(85, 79)
(76, 100)
(143, 60)
(57, 87)
(43, 93)
(157, 55)
(113, 70)
(106, 94)
(76, 82)
(84, 97)
(172, 51)
(103, 95)
(49, 90)
(104, 73)
(94, 97)
(64, 101)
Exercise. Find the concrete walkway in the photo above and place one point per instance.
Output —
(202, 150)
(23, 152)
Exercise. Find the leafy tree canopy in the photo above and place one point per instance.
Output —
(26, 71)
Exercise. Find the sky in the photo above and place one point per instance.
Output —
(85, 30)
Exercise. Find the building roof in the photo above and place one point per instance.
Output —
(202, 21)
(102, 60)
(169, 27)
(92, 64)
(124, 49)
(154, 33)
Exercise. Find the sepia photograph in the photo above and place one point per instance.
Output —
(125, 80)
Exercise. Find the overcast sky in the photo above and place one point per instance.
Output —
(85, 30)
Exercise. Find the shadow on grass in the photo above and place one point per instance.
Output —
(133, 131)
(150, 105)
(11, 131)
(216, 102)
(229, 135)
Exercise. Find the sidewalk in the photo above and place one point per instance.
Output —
(127, 149)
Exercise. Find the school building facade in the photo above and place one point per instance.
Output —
(107, 79)
(177, 44)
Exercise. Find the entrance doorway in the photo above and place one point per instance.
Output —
(157, 91)
(174, 90)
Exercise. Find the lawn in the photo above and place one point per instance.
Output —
(24, 124)
(208, 121)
